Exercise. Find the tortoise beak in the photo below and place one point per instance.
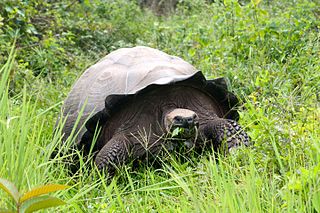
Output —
(185, 122)
(181, 118)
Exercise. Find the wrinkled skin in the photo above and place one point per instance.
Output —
(137, 129)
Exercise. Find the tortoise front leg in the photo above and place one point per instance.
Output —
(220, 130)
(114, 153)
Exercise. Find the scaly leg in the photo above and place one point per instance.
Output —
(220, 130)
(114, 153)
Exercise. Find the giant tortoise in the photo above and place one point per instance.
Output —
(135, 97)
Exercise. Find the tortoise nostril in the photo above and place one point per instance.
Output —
(178, 119)
(184, 119)
(190, 121)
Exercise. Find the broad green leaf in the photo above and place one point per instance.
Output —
(10, 188)
(6, 211)
(42, 202)
(42, 190)
(176, 132)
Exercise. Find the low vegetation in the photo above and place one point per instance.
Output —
(32, 200)
(268, 50)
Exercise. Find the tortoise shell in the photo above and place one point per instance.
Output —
(106, 86)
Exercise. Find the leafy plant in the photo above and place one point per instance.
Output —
(33, 200)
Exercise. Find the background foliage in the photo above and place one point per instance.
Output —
(269, 50)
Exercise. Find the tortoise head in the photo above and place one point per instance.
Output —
(181, 118)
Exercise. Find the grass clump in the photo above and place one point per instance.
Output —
(269, 52)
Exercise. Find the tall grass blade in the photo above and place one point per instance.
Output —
(316, 201)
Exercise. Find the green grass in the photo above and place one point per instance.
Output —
(271, 56)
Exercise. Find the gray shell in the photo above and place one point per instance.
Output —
(123, 72)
